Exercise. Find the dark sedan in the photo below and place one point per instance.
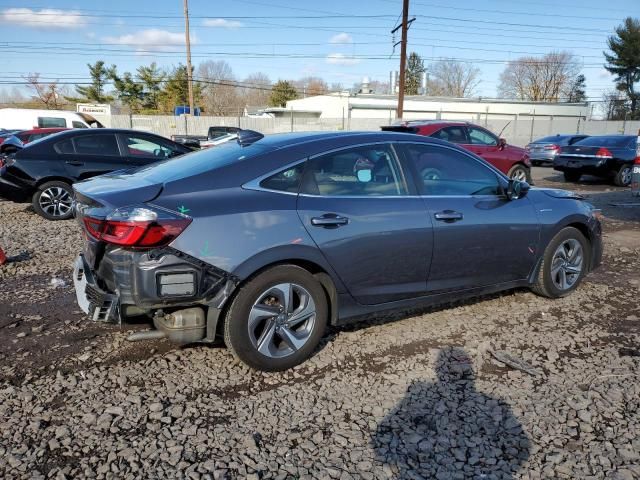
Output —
(266, 241)
(44, 170)
(545, 149)
(607, 156)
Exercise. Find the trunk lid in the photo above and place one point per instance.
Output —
(585, 150)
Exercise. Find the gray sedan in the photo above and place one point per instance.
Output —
(544, 150)
(265, 241)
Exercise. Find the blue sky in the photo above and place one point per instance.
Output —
(344, 42)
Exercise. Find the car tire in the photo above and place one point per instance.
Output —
(623, 176)
(553, 279)
(53, 200)
(520, 172)
(572, 176)
(264, 330)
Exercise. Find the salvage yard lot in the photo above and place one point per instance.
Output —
(418, 395)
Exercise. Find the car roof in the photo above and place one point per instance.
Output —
(282, 140)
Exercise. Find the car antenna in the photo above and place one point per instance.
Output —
(503, 129)
(247, 137)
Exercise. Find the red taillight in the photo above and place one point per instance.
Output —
(137, 227)
(604, 152)
(555, 148)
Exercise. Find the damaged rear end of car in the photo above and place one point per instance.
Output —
(129, 269)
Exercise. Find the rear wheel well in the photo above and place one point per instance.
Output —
(316, 270)
(52, 179)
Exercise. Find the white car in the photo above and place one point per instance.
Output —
(218, 141)
(27, 118)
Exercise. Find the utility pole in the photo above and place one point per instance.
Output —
(403, 56)
(188, 41)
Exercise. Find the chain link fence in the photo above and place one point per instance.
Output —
(518, 131)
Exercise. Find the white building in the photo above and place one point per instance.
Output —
(345, 105)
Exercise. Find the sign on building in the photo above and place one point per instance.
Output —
(93, 108)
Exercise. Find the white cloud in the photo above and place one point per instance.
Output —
(341, 38)
(341, 59)
(221, 23)
(46, 18)
(152, 39)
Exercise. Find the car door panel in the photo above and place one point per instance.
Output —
(379, 244)
(480, 237)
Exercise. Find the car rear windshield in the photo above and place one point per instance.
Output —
(199, 162)
(612, 141)
(552, 138)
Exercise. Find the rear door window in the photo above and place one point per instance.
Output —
(455, 134)
(285, 181)
(65, 147)
(51, 122)
(361, 171)
(99, 144)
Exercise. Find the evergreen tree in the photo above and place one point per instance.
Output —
(281, 93)
(99, 77)
(176, 90)
(624, 61)
(152, 78)
(129, 91)
(578, 90)
(413, 75)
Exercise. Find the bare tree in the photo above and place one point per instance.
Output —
(255, 90)
(219, 88)
(311, 86)
(451, 78)
(47, 93)
(548, 78)
(614, 105)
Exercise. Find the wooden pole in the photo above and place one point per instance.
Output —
(403, 57)
(188, 42)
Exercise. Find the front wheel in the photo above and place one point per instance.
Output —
(520, 173)
(623, 176)
(277, 319)
(564, 265)
(53, 201)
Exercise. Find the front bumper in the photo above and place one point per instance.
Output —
(12, 190)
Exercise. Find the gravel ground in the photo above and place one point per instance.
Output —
(418, 395)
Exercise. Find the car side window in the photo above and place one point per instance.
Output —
(99, 144)
(443, 172)
(285, 181)
(478, 136)
(370, 170)
(65, 147)
(51, 122)
(141, 146)
(454, 134)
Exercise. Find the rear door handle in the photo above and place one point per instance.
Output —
(448, 216)
(329, 220)
(74, 163)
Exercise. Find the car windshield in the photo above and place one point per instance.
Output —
(199, 162)
(610, 141)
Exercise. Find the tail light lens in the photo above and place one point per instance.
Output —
(604, 153)
(553, 148)
(137, 227)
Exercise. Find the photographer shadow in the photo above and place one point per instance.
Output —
(449, 430)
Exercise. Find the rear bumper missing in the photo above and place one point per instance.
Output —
(154, 283)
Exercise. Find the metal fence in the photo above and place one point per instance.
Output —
(518, 131)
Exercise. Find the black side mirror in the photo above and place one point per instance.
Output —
(517, 189)
(502, 143)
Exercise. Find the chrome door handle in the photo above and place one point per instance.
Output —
(329, 221)
(448, 216)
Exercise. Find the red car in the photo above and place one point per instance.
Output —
(509, 159)
(27, 136)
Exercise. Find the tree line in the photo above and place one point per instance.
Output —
(554, 77)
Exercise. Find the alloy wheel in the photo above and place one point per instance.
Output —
(55, 201)
(567, 264)
(281, 320)
(519, 174)
(626, 175)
